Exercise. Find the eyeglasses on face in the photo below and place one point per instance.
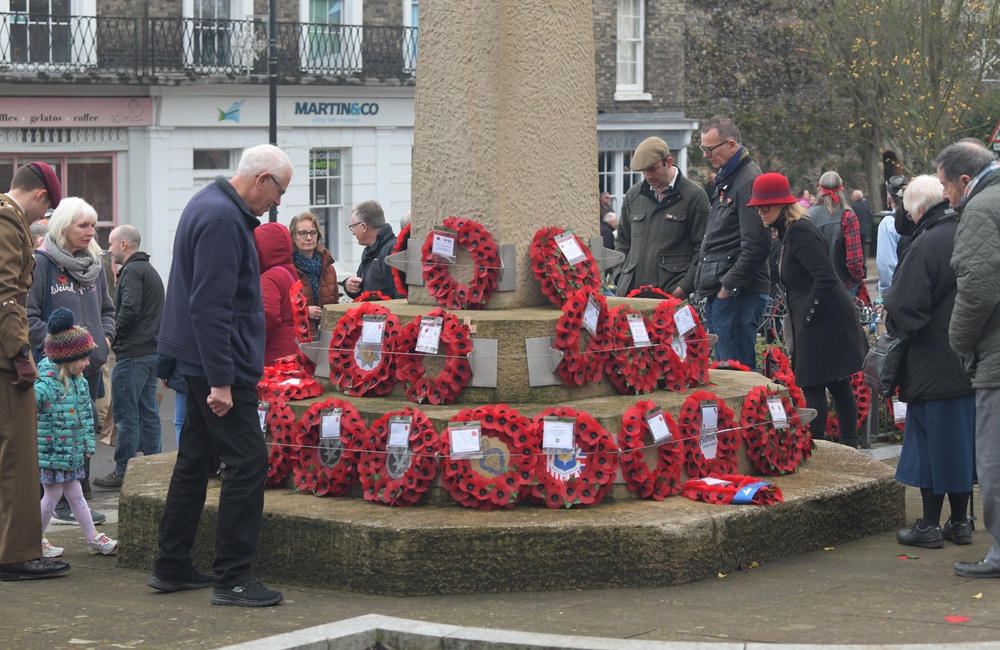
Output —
(355, 225)
(306, 233)
(281, 190)
(708, 150)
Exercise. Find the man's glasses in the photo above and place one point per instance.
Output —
(708, 150)
(307, 233)
(281, 190)
(354, 225)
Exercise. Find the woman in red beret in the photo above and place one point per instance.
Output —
(823, 333)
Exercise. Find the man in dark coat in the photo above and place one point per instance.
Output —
(733, 271)
(370, 229)
(860, 207)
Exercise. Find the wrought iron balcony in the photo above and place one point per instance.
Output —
(138, 48)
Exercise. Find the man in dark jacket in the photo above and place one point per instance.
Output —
(971, 179)
(213, 325)
(370, 229)
(733, 269)
(661, 226)
(138, 308)
(859, 204)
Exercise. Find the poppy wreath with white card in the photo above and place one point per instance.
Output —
(668, 343)
(455, 343)
(502, 473)
(581, 367)
(724, 440)
(398, 277)
(281, 424)
(862, 395)
(664, 478)
(327, 465)
(358, 368)
(398, 476)
(632, 369)
(485, 254)
(773, 449)
(558, 278)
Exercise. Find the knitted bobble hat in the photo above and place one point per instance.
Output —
(66, 341)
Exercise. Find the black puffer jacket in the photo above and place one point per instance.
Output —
(919, 306)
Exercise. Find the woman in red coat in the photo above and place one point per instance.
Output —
(314, 265)
(277, 275)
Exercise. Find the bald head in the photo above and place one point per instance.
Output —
(123, 242)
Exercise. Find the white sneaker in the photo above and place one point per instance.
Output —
(48, 550)
(102, 544)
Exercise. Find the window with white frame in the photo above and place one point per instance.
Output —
(220, 34)
(614, 175)
(326, 201)
(629, 72)
(410, 15)
(328, 40)
(49, 33)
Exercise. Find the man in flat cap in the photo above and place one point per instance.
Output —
(733, 273)
(661, 225)
(34, 189)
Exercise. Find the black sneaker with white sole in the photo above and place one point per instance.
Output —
(249, 593)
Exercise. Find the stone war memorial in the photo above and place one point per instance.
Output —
(506, 427)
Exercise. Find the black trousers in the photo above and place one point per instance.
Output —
(236, 440)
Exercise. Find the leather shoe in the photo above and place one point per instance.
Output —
(916, 535)
(982, 569)
(32, 569)
(960, 533)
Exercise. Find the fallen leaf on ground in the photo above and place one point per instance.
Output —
(828, 548)
(979, 595)
(722, 575)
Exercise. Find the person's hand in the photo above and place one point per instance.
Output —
(26, 373)
(353, 284)
(725, 295)
(315, 313)
(220, 400)
(678, 293)
(163, 382)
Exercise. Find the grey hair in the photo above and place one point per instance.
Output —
(371, 213)
(922, 192)
(264, 158)
(725, 126)
(831, 180)
(62, 217)
(964, 158)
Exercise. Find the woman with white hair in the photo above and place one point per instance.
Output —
(68, 273)
(833, 215)
(938, 452)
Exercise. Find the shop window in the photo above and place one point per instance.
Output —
(326, 176)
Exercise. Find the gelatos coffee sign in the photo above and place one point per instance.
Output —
(75, 112)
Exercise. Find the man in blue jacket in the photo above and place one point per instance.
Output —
(213, 325)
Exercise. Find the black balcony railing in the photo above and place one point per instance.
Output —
(32, 43)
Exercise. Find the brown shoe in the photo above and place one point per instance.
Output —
(32, 569)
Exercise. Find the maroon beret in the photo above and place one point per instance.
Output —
(52, 185)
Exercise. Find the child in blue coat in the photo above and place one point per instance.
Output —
(66, 425)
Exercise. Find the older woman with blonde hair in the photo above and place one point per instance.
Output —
(825, 338)
(314, 265)
(938, 454)
(833, 215)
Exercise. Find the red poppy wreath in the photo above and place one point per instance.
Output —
(631, 369)
(398, 277)
(773, 450)
(648, 291)
(581, 476)
(669, 346)
(581, 367)
(485, 255)
(713, 453)
(287, 379)
(662, 480)
(733, 488)
(281, 423)
(327, 464)
(372, 296)
(557, 276)
(455, 344)
(359, 368)
(862, 395)
(503, 474)
(398, 477)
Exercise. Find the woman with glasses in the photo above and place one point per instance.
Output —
(314, 265)
(825, 338)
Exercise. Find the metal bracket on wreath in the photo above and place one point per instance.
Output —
(543, 359)
(319, 354)
(408, 261)
(807, 415)
(712, 339)
(607, 258)
(483, 361)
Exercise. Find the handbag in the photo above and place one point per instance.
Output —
(884, 364)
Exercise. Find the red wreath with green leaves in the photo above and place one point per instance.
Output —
(723, 494)
(863, 396)
(595, 454)
(558, 278)
(347, 353)
(663, 334)
(632, 370)
(513, 471)
(281, 424)
(398, 277)
(375, 461)
(485, 255)
(581, 367)
(456, 343)
(773, 451)
(664, 479)
(328, 467)
(728, 436)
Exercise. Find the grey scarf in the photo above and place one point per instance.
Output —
(81, 267)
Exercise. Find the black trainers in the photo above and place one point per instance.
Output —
(960, 533)
(170, 584)
(248, 593)
(915, 535)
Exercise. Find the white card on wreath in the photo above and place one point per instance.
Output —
(330, 424)
(709, 443)
(466, 440)
(680, 347)
(898, 410)
(779, 418)
(710, 417)
(429, 338)
(658, 426)
(262, 410)
(372, 331)
(711, 480)
(684, 320)
(591, 315)
(640, 335)
(399, 433)
(557, 434)
(443, 244)
(570, 248)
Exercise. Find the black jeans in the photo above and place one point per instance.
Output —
(236, 440)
